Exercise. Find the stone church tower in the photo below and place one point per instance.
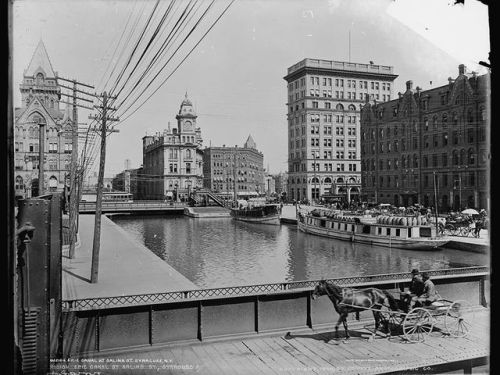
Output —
(40, 99)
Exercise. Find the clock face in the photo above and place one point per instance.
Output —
(188, 126)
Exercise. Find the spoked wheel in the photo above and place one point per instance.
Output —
(458, 319)
(418, 323)
(450, 229)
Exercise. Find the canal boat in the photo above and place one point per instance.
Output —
(257, 212)
(412, 233)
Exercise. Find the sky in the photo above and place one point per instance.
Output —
(234, 76)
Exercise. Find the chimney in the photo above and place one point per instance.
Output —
(462, 69)
(409, 85)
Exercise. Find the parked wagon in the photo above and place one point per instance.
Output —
(460, 225)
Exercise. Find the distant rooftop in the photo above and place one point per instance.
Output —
(341, 65)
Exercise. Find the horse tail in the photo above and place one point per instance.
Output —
(392, 301)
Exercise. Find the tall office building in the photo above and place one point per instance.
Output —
(429, 146)
(324, 100)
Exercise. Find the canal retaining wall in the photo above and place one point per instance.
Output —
(125, 266)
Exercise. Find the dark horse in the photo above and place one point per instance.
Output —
(355, 300)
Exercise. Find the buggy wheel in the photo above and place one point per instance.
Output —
(417, 324)
(450, 229)
(458, 319)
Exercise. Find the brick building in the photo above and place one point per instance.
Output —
(428, 143)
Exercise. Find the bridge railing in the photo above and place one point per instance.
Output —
(392, 280)
(114, 324)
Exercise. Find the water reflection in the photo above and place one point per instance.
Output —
(224, 252)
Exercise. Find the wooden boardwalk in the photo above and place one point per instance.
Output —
(311, 353)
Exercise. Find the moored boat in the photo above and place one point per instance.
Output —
(261, 214)
(412, 233)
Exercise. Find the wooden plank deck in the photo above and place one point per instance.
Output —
(313, 353)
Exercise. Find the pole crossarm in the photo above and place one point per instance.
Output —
(80, 91)
(71, 96)
(74, 81)
(78, 105)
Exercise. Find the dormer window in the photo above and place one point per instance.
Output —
(39, 79)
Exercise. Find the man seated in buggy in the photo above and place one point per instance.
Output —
(429, 294)
(415, 290)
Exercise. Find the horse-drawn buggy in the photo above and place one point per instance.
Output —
(458, 225)
(452, 318)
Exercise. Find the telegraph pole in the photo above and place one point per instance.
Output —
(41, 157)
(74, 201)
(94, 272)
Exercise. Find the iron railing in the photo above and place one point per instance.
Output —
(259, 289)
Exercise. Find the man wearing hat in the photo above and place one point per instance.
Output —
(429, 293)
(416, 288)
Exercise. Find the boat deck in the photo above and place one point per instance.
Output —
(313, 352)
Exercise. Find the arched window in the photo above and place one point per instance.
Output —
(39, 79)
(470, 156)
(470, 116)
(315, 180)
(462, 156)
(339, 107)
(351, 107)
(53, 182)
(340, 180)
(455, 157)
(19, 183)
(328, 180)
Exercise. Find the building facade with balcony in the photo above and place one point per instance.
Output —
(172, 160)
(429, 146)
(40, 99)
(324, 101)
(223, 166)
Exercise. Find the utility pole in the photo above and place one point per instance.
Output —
(41, 157)
(234, 178)
(94, 272)
(74, 201)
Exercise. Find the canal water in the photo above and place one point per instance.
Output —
(221, 252)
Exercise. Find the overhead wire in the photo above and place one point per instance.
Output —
(117, 45)
(178, 65)
(178, 28)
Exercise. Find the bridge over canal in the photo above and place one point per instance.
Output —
(267, 329)
(136, 207)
